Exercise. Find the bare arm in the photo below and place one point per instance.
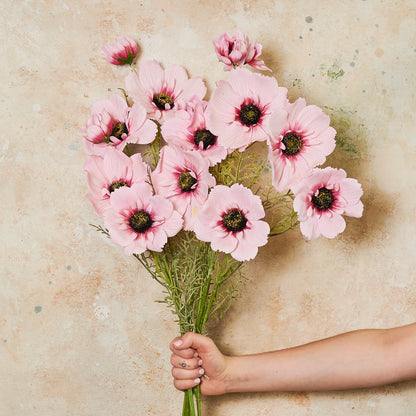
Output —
(355, 359)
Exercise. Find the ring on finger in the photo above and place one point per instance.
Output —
(183, 364)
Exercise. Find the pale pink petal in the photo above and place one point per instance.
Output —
(354, 210)
(351, 189)
(151, 76)
(193, 87)
(257, 234)
(331, 226)
(309, 228)
(244, 252)
(226, 245)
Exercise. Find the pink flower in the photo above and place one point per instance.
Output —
(188, 131)
(240, 107)
(300, 139)
(230, 220)
(237, 50)
(114, 124)
(121, 53)
(322, 198)
(163, 92)
(184, 179)
(108, 173)
(139, 221)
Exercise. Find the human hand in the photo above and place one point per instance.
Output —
(197, 360)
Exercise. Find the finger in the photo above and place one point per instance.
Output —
(180, 362)
(186, 354)
(185, 374)
(186, 384)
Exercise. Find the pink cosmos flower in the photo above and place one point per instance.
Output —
(188, 131)
(108, 173)
(139, 221)
(240, 107)
(300, 139)
(230, 220)
(163, 92)
(114, 124)
(184, 179)
(122, 52)
(322, 198)
(235, 51)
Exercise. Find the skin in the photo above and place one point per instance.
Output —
(364, 358)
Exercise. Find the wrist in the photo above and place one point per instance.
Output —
(234, 378)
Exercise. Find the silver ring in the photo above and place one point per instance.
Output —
(183, 365)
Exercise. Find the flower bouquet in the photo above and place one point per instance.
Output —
(180, 185)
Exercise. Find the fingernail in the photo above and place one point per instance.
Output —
(178, 343)
(197, 380)
(200, 362)
(201, 371)
(195, 355)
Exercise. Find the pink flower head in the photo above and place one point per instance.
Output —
(188, 131)
(230, 220)
(322, 198)
(140, 221)
(121, 53)
(114, 124)
(240, 107)
(110, 172)
(163, 92)
(235, 51)
(183, 177)
(300, 139)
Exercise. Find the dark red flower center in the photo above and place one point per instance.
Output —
(323, 200)
(141, 221)
(206, 137)
(234, 220)
(293, 144)
(249, 114)
(117, 184)
(162, 99)
(187, 182)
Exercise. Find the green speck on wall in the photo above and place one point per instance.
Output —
(348, 130)
(296, 82)
(334, 72)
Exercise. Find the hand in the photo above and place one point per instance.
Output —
(197, 360)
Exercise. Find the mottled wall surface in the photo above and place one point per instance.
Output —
(80, 334)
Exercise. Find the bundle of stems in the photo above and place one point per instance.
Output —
(199, 284)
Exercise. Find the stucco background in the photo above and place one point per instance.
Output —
(80, 333)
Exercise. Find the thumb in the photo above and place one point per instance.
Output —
(191, 340)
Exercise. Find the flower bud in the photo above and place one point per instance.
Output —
(237, 50)
(122, 52)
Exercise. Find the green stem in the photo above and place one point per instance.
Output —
(191, 402)
(239, 162)
(197, 393)
(257, 174)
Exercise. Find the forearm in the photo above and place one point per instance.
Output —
(352, 360)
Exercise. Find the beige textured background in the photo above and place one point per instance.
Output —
(80, 334)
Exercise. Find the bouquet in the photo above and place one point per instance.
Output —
(181, 185)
